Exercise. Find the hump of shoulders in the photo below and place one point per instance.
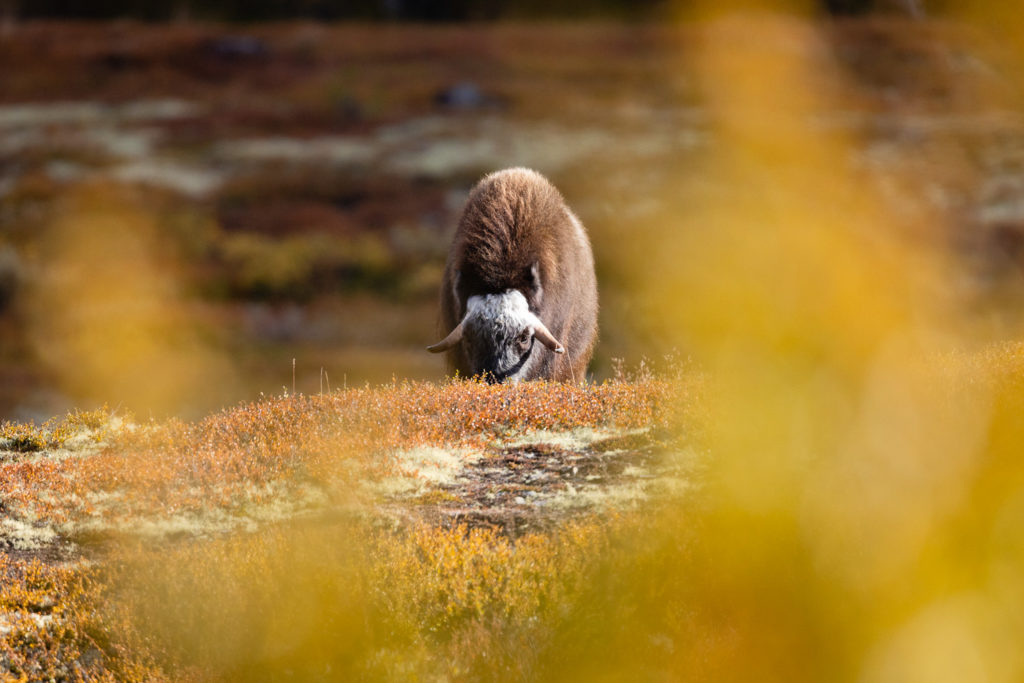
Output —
(513, 218)
(517, 196)
(516, 175)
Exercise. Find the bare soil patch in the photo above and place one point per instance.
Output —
(533, 487)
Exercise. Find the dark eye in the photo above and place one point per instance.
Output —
(524, 338)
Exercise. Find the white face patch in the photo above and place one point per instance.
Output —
(506, 310)
(494, 328)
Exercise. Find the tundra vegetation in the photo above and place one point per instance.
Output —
(317, 518)
(831, 489)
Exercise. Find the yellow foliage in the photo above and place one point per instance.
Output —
(107, 313)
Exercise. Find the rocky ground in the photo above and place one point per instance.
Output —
(541, 480)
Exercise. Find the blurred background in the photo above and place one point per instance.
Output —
(193, 194)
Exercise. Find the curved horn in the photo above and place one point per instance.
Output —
(453, 338)
(541, 332)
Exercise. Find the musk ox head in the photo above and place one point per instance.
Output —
(498, 335)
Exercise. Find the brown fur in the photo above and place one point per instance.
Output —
(512, 220)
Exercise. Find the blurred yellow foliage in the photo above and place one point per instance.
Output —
(861, 469)
(108, 314)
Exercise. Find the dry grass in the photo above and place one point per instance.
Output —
(345, 601)
(318, 603)
(83, 426)
(51, 629)
(342, 596)
(239, 457)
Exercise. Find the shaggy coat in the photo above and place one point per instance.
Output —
(516, 233)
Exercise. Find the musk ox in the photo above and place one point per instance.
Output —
(519, 295)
